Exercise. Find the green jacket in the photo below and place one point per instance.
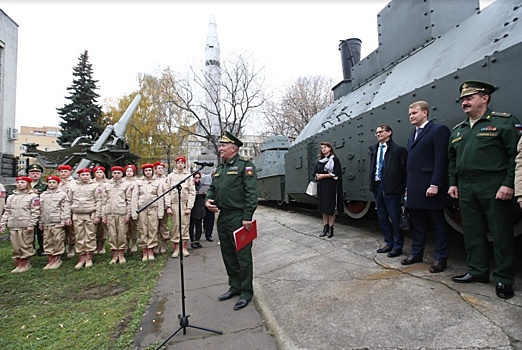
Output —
(40, 186)
(486, 150)
(234, 186)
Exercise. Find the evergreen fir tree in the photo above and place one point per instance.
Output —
(82, 114)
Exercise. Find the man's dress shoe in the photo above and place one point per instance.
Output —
(210, 240)
(227, 295)
(394, 253)
(438, 266)
(504, 290)
(467, 278)
(241, 303)
(411, 259)
(386, 249)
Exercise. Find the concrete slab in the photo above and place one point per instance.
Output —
(318, 293)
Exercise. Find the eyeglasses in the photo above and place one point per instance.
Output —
(197, 177)
(380, 132)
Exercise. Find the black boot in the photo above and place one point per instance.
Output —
(325, 231)
(330, 235)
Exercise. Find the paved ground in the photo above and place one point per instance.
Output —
(314, 293)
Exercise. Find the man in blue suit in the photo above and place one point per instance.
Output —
(427, 185)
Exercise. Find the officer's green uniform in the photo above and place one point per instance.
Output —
(39, 187)
(481, 160)
(234, 192)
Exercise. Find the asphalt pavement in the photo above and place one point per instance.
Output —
(318, 293)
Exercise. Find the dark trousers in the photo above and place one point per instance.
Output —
(39, 238)
(388, 213)
(195, 225)
(481, 210)
(208, 222)
(239, 265)
(421, 220)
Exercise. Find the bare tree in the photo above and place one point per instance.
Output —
(217, 103)
(300, 102)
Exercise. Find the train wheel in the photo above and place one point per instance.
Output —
(453, 218)
(356, 209)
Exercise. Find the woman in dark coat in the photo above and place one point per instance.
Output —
(197, 214)
(328, 174)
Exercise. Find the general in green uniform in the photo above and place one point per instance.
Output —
(482, 151)
(34, 171)
(234, 193)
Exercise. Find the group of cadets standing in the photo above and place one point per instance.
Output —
(77, 216)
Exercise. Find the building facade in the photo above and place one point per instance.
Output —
(46, 137)
(8, 69)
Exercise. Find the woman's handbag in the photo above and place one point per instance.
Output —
(311, 190)
(404, 221)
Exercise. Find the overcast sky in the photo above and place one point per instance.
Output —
(289, 38)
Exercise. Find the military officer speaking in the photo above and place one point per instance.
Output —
(234, 193)
(482, 151)
(34, 171)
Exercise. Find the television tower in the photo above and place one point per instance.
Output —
(212, 79)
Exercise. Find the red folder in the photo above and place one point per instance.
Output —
(242, 237)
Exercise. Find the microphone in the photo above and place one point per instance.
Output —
(204, 163)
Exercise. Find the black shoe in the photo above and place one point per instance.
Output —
(394, 253)
(228, 295)
(241, 303)
(412, 259)
(330, 235)
(325, 230)
(210, 240)
(504, 290)
(438, 266)
(194, 245)
(40, 252)
(199, 245)
(467, 278)
(386, 249)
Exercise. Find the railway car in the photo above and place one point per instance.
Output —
(426, 50)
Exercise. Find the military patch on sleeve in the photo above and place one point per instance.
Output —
(518, 127)
(249, 171)
(36, 202)
(3, 194)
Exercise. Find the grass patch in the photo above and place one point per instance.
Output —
(96, 308)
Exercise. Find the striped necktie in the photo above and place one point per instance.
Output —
(381, 161)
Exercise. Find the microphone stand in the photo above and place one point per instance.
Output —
(183, 317)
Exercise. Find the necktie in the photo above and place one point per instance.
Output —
(381, 161)
(417, 132)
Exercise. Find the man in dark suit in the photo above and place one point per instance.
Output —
(427, 184)
(387, 182)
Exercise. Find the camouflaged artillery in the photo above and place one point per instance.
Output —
(108, 150)
(426, 50)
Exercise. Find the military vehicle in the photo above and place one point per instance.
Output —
(426, 50)
(108, 150)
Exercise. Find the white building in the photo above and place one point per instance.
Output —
(8, 67)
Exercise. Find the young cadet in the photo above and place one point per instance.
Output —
(132, 232)
(66, 182)
(163, 229)
(101, 228)
(144, 192)
(52, 222)
(21, 215)
(84, 207)
(117, 209)
(188, 196)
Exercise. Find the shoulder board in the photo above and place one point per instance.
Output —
(244, 159)
(501, 114)
(459, 124)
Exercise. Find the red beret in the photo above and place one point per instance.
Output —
(64, 167)
(52, 177)
(96, 168)
(159, 163)
(84, 170)
(131, 166)
(182, 159)
(117, 168)
(24, 178)
(146, 166)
